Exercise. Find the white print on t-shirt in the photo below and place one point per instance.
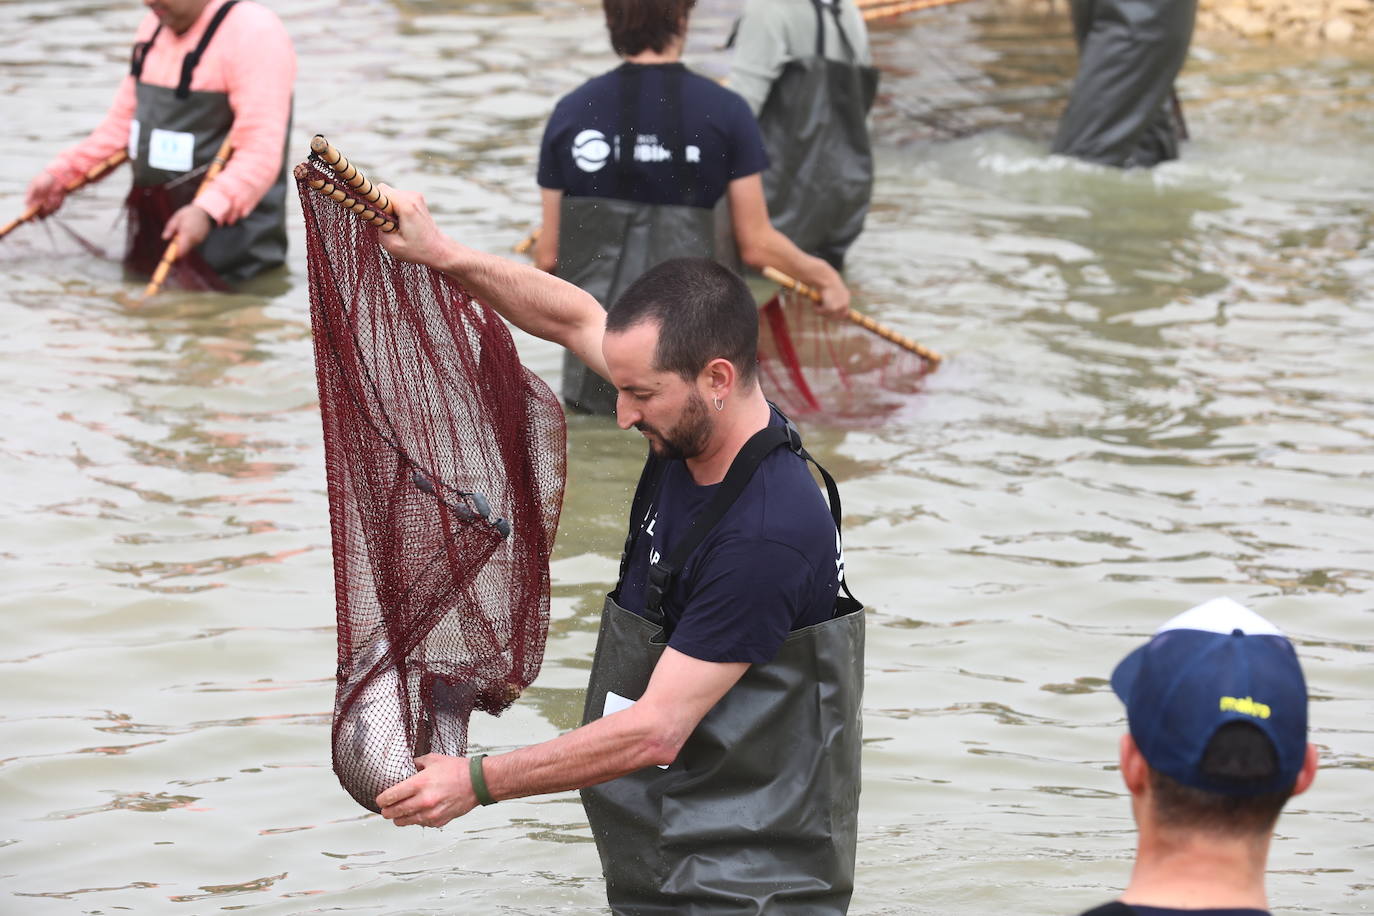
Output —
(648, 149)
(133, 140)
(839, 557)
(590, 150)
(649, 530)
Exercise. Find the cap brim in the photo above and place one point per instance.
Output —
(1124, 675)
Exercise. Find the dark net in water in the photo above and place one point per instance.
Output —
(809, 364)
(147, 210)
(445, 460)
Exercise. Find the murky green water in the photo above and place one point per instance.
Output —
(1158, 391)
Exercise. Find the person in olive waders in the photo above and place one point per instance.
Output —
(201, 70)
(719, 755)
(1123, 110)
(633, 168)
(805, 69)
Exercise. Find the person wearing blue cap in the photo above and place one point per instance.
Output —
(1217, 708)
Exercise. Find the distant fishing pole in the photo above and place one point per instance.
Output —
(883, 9)
(93, 174)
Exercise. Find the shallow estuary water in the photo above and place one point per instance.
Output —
(1159, 389)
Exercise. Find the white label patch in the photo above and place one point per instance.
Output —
(171, 150)
(590, 150)
(615, 703)
(134, 128)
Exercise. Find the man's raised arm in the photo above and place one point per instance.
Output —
(534, 301)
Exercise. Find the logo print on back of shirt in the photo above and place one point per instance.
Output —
(590, 150)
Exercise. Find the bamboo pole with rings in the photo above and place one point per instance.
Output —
(888, 8)
(863, 321)
(324, 151)
(94, 173)
(347, 198)
(170, 255)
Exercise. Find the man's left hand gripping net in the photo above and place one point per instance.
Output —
(445, 465)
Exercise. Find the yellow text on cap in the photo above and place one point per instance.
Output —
(1245, 706)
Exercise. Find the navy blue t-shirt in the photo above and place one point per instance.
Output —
(684, 157)
(772, 564)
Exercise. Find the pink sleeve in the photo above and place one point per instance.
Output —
(260, 71)
(111, 135)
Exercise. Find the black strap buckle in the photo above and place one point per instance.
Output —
(660, 579)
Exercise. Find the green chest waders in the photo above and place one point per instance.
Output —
(814, 123)
(759, 812)
(605, 244)
(175, 133)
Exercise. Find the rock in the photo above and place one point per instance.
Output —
(1357, 7)
(1338, 31)
(1247, 23)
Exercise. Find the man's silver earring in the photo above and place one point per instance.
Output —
(719, 403)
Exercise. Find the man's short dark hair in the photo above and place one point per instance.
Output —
(644, 25)
(704, 311)
(1238, 755)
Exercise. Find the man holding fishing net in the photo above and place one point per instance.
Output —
(208, 79)
(633, 166)
(719, 755)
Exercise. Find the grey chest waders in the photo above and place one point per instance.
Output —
(606, 243)
(814, 123)
(175, 134)
(759, 812)
(1123, 111)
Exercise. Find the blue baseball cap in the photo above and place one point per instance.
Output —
(1219, 662)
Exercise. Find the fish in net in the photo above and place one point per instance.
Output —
(445, 461)
(813, 365)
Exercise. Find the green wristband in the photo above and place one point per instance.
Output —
(479, 780)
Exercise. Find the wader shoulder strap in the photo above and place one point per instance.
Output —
(140, 52)
(631, 78)
(759, 446)
(192, 59)
(676, 137)
(631, 81)
(820, 29)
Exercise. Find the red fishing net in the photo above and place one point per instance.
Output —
(809, 364)
(147, 210)
(445, 466)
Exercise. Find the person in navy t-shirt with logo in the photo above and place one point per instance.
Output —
(632, 167)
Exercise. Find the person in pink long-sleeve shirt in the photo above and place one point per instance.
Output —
(201, 69)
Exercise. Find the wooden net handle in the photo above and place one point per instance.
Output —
(94, 173)
(170, 255)
(326, 188)
(863, 321)
(349, 174)
(524, 245)
(888, 8)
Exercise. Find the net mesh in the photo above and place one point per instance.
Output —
(445, 466)
(809, 364)
(147, 210)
